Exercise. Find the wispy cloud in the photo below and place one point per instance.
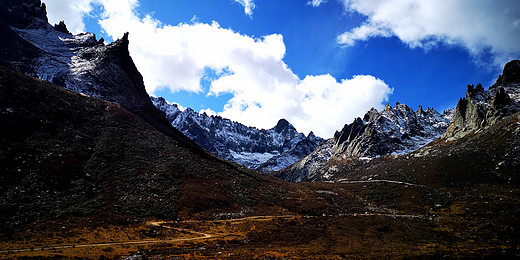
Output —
(316, 3)
(249, 5)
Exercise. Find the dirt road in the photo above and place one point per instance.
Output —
(200, 235)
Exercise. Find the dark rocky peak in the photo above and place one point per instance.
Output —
(371, 115)
(283, 126)
(159, 100)
(402, 107)
(124, 42)
(23, 14)
(420, 111)
(475, 93)
(62, 27)
(480, 108)
(77, 62)
(189, 110)
(398, 110)
(349, 132)
(511, 73)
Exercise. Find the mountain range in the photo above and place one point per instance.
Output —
(265, 150)
(91, 168)
(398, 130)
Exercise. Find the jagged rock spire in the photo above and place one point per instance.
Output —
(62, 27)
(481, 108)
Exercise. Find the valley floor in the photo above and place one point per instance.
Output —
(470, 223)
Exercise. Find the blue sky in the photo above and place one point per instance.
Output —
(318, 66)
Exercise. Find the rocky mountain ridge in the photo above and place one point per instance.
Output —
(266, 150)
(396, 130)
(76, 62)
(482, 108)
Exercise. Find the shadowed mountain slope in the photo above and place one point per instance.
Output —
(64, 154)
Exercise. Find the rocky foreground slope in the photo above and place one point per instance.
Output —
(266, 150)
(64, 155)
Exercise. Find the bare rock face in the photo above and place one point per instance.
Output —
(511, 73)
(23, 14)
(79, 62)
(481, 108)
(62, 27)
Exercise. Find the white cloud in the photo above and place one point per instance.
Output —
(362, 33)
(316, 3)
(71, 12)
(316, 103)
(478, 25)
(249, 5)
(264, 88)
(208, 112)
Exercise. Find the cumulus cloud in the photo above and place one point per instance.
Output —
(316, 103)
(208, 112)
(477, 25)
(249, 5)
(264, 88)
(71, 12)
(316, 3)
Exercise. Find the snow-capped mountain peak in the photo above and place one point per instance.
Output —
(263, 149)
(394, 130)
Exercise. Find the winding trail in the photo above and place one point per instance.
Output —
(346, 181)
(201, 235)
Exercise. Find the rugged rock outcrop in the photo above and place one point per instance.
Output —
(262, 149)
(76, 62)
(396, 130)
(23, 14)
(482, 108)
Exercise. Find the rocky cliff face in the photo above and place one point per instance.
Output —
(261, 149)
(396, 130)
(76, 62)
(481, 108)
